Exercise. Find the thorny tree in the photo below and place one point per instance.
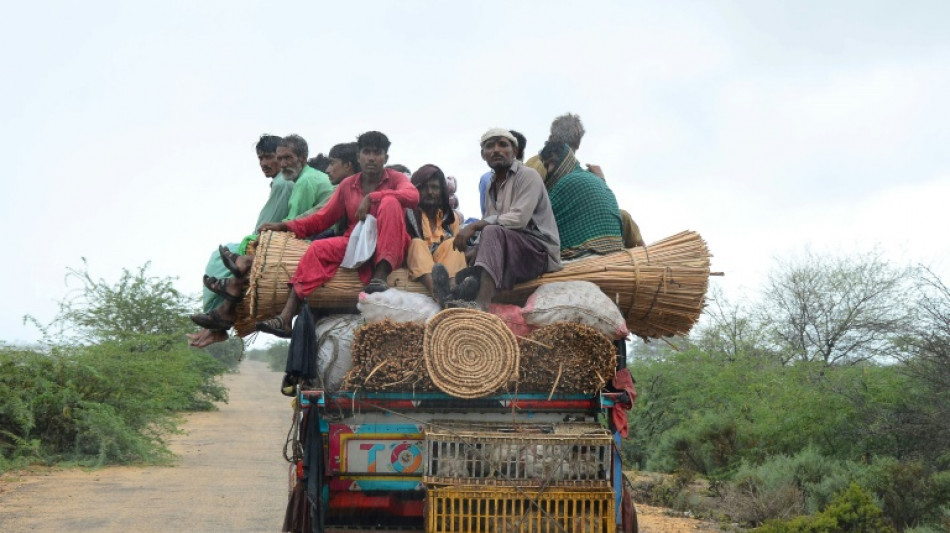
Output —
(837, 310)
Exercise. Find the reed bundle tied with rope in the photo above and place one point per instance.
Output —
(387, 356)
(469, 353)
(659, 288)
(566, 357)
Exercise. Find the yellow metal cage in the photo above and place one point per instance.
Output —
(500, 509)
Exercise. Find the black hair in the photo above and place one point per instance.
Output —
(401, 168)
(554, 148)
(321, 162)
(522, 141)
(373, 139)
(445, 201)
(297, 145)
(346, 152)
(267, 144)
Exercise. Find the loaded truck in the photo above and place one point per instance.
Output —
(397, 461)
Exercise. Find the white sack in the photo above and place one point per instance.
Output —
(397, 305)
(334, 341)
(581, 302)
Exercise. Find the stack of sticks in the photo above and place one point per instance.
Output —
(387, 357)
(566, 357)
(659, 288)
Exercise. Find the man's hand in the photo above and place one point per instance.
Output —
(363, 209)
(597, 171)
(461, 240)
(272, 226)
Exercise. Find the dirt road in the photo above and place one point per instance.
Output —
(231, 476)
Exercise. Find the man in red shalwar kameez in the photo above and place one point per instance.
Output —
(377, 191)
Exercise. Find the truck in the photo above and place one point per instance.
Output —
(398, 461)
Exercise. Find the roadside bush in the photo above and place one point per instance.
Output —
(910, 494)
(852, 510)
(228, 353)
(786, 486)
(708, 445)
(111, 380)
(276, 356)
(108, 403)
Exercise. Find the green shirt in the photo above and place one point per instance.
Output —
(276, 208)
(311, 188)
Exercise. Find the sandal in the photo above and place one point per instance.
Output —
(229, 259)
(440, 283)
(275, 326)
(376, 285)
(467, 290)
(219, 286)
(212, 320)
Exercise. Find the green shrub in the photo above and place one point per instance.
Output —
(851, 511)
(229, 353)
(107, 403)
(277, 355)
(910, 494)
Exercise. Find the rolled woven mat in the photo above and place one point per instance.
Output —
(659, 288)
(469, 353)
(566, 357)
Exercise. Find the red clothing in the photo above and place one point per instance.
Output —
(623, 382)
(388, 203)
(346, 200)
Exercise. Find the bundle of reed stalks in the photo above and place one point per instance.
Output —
(566, 357)
(659, 288)
(387, 356)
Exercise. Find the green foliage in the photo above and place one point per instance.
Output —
(110, 384)
(138, 305)
(852, 511)
(910, 494)
(229, 353)
(108, 403)
(276, 355)
(836, 310)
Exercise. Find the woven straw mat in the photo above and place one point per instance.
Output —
(469, 353)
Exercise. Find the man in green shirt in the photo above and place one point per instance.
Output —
(295, 189)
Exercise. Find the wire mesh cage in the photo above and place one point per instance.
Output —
(481, 509)
(524, 455)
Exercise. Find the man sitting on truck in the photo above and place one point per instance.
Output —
(519, 239)
(376, 191)
(310, 187)
(432, 226)
(569, 130)
(588, 219)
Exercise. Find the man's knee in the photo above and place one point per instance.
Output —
(389, 203)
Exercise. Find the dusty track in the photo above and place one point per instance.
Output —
(230, 476)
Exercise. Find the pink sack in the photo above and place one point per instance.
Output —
(511, 314)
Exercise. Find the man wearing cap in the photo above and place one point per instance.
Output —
(519, 239)
(432, 226)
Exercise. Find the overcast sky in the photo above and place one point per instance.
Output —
(127, 129)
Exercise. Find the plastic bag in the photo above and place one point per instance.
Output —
(581, 302)
(334, 340)
(362, 243)
(397, 305)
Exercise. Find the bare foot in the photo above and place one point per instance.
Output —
(206, 337)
